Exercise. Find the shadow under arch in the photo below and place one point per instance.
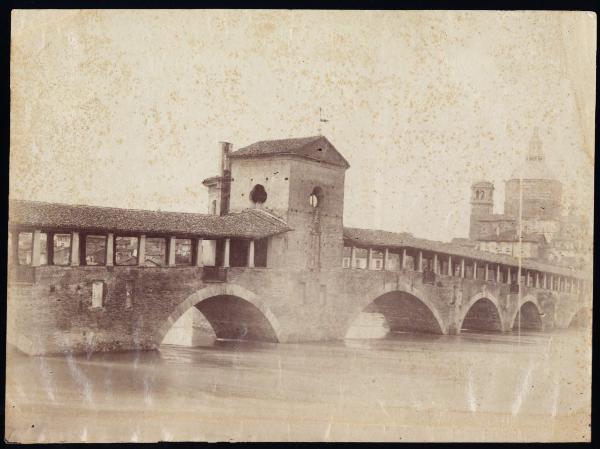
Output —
(233, 312)
(529, 313)
(482, 314)
(404, 312)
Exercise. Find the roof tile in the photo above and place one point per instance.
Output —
(394, 239)
(246, 224)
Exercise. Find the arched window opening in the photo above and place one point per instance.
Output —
(258, 195)
(316, 197)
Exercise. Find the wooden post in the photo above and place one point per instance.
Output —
(75, 249)
(226, 255)
(386, 254)
(486, 273)
(142, 251)
(498, 273)
(251, 254)
(435, 263)
(369, 258)
(403, 258)
(199, 255)
(352, 257)
(537, 279)
(450, 273)
(462, 268)
(420, 261)
(508, 279)
(35, 248)
(110, 245)
(475, 270)
(171, 257)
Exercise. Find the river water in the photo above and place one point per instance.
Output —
(472, 387)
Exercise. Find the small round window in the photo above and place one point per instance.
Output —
(258, 194)
(316, 197)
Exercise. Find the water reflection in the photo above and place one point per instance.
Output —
(405, 386)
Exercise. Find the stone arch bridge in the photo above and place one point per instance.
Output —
(84, 306)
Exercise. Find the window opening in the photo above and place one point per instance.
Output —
(25, 247)
(95, 249)
(126, 250)
(183, 251)
(316, 197)
(156, 252)
(258, 195)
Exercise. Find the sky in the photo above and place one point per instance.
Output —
(126, 108)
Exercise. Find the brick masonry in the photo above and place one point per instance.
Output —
(55, 313)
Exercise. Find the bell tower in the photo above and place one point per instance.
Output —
(482, 198)
(300, 181)
(482, 205)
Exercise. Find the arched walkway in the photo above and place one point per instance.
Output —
(405, 312)
(233, 312)
(482, 314)
(528, 315)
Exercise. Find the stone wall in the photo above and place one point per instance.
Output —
(55, 314)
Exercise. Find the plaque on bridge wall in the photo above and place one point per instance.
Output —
(300, 225)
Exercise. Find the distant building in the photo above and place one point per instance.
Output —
(535, 194)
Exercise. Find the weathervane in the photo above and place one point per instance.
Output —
(321, 119)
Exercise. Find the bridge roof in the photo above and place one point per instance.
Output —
(317, 148)
(251, 223)
(377, 238)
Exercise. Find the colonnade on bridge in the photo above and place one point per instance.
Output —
(433, 264)
(119, 279)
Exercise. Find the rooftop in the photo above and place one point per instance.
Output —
(316, 148)
(250, 223)
(371, 237)
(512, 236)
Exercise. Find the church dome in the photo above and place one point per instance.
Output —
(539, 194)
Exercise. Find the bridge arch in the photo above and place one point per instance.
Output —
(405, 309)
(215, 301)
(530, 311)
(482, 312)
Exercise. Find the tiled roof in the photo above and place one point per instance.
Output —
(370, 237)
(316, 148)
(251, 223)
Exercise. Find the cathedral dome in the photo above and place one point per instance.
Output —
(540, 190)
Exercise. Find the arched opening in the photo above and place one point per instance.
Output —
(582, 319)
(316, 197)
(528, 317)
(482, 316)
(395, 313)
(222, 317)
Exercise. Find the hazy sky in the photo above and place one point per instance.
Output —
(125, 108)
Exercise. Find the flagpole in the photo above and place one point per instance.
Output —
(520, 253)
